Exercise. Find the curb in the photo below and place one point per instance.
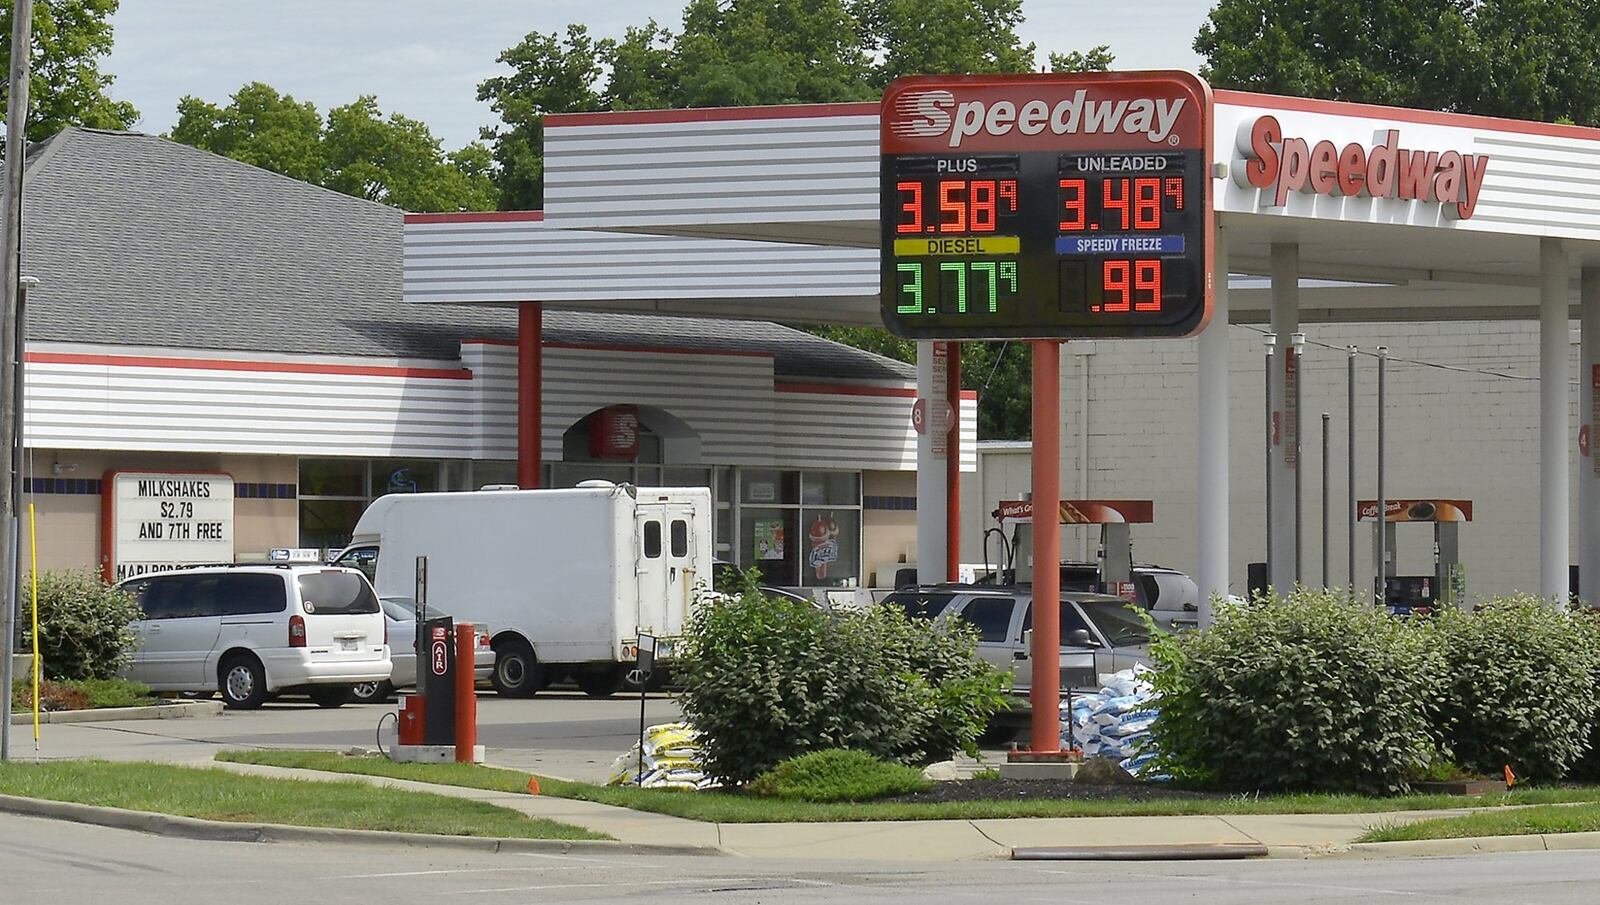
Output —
(222, 831)
(1419, 848)
(173, 711)
(1205, 851)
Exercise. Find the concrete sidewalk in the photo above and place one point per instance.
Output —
(1286, 835)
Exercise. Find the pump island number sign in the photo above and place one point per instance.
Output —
(1045, 206)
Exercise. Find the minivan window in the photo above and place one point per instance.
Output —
(990, 615)
(336, 593)
(1121, 627)
(919, 606)
(180, 597)
(246, 593)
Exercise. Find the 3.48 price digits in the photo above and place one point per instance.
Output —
(960, 205)
(1123, 203)
(954, 286)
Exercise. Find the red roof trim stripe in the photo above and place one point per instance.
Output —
(831, 389)
(708, 114)
(1404, 114)
(276, 367)
(478, 217)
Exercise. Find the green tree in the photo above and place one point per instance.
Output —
(549, 75)
(66, 86)
(397, 161)
(1095, 59)
(260, 127)
(1529, 59)
(356, 150)
(936, 36)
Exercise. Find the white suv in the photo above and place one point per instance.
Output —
(252, 631)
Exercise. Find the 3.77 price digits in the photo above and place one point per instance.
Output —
(964, 206)
(954, 284)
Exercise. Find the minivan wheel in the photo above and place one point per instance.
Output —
(371, 692)
(517, 672)
(332, 695)
(243, 682)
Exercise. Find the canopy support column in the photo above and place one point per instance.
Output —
(1213, 440)
(1554, 398)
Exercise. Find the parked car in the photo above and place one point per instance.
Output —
(1170, 597)
(1099, 634)
(400, 620)
(254, 631)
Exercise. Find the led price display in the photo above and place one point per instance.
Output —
(1045, 206)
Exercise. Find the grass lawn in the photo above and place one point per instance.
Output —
(219, 795)
(1584, 818)
(721, 807)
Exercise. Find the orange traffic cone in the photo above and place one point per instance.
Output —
(1511, 778)
(533, 785)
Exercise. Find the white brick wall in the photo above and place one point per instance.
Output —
(1450, 435)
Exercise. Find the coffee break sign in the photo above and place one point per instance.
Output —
(157, 522)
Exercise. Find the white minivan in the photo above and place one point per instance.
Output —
(253, 631)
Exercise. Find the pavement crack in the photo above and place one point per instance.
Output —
(1002, 846)
(1230, 825)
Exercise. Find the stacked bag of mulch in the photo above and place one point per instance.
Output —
(671, 761)
(1115, 721)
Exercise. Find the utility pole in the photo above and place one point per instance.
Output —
(10, 245)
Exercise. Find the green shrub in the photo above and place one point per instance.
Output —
(1310, 691)
(80, 695)
(83, 626)
(1587, 620)
(767, 679)
(1520, 687)
(838, 775)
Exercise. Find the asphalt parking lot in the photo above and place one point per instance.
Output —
(558, 733)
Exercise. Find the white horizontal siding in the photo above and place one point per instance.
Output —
(852, 431)
(509, 261)
(778, 170)
(200, 409)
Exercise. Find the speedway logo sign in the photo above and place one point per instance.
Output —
(1266, 159)
(1125, 111)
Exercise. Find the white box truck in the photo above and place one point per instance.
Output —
(566, 580)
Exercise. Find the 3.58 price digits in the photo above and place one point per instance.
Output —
(1122, 204)
(961, 205)
(954, 286)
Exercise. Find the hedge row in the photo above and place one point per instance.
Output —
(1319, 691)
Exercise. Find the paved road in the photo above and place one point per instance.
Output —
(50, 861)
(560, 733)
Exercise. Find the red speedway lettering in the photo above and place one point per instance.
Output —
(1271, 161)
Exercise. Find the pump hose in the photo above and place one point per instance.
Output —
(378, 733)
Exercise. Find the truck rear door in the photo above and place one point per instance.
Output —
(666, 532)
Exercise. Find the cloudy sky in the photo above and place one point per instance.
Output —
(425, 59)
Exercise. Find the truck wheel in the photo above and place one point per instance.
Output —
(600, 683)
(517, 673)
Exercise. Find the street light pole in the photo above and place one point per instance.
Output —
(10, 287)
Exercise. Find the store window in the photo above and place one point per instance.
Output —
(334, 492)
(800, 529)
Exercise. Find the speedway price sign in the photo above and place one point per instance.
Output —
(1040, 206)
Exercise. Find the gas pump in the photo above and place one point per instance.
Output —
(1421, 595)
(1115, 559)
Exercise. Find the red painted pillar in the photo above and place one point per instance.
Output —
(530, 390)
(1045, 696)
(952, 468)
(466, 692)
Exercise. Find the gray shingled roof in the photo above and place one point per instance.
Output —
(146, 242)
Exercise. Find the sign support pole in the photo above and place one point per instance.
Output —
(1045, 694)
(1588, 470)
(952, 466)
